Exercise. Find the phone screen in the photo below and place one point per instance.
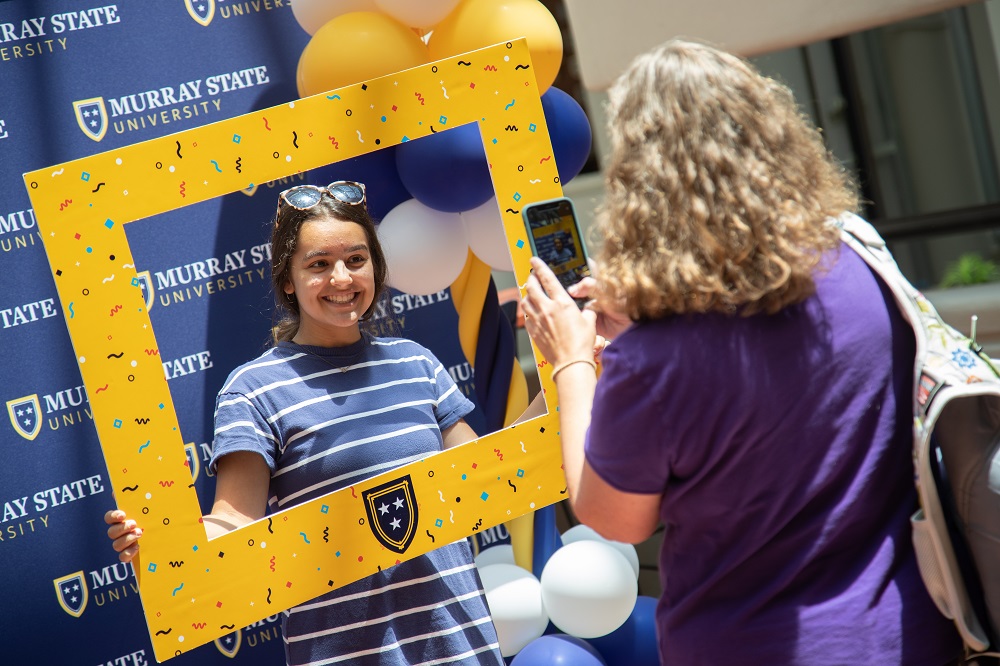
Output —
(556, 240)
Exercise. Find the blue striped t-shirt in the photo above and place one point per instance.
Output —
(324, 419)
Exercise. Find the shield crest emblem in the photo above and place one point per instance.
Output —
(193, 461)
(72, 593)
(145, 283)
(25, 416)
(229, 644)
(392, 513)
(202, 11)
(92, 117)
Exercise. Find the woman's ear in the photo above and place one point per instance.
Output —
(288, 288)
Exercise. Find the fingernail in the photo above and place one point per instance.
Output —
(138, 532)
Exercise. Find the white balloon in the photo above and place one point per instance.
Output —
(514, 596)
(314, 14)
(421, 14)
(486, 235)
(588, 588)
(584, 533)
(425, 249)
(500, 554)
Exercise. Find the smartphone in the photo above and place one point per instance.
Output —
(555, 238)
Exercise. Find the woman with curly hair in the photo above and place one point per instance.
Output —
(755, 399)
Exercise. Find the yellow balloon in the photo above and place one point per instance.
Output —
(478, 23)
(355, 47)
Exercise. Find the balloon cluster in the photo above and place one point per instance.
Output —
(583, 610)
(434, 195)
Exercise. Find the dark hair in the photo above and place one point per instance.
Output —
(284, 239)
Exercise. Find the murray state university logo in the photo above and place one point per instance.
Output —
(229, 644)
(193, 461)
(145, 284)
(92, 117)
(25, 416)
(202, 11)
(72, 593)
(392, 513)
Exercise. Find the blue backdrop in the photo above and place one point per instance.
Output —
(80, 77)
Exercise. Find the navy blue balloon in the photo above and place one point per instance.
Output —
(377, 170)
(447, 170)
(569, 131)
(634, 643)
(558, 650)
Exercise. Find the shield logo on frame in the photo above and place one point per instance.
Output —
(72, 593)
(92, 117)
(392, 513)
(202, 11)
(25, 415)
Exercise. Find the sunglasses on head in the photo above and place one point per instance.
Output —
(304, 197)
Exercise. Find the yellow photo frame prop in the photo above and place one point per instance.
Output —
(194, 590)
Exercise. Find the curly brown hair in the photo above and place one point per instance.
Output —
(719, 189)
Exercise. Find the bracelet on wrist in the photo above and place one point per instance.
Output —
(562, 366)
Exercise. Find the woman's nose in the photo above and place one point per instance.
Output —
(340, 273)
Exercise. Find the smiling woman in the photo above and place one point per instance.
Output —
(332, 404)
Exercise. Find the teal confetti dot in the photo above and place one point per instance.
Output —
(464, 477)
(520, 244)
(136, 282)
(405, 139)
(443, 120)
(237, 138)
(152, 567)
(383, 118)
(438, 523)
(194, 548)
(337, 553)
(484, 496)
(118, 423)
(517, 196)
(160, 405)
(532, 127)
(494, 142)
(89, 250)
(324, 509)
(84, 176)
(108, 223)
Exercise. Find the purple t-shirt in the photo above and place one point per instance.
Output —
(781, 445)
